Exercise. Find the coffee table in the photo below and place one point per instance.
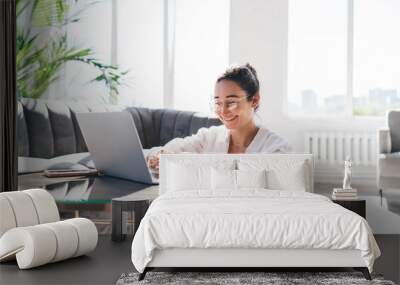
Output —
(87, 192)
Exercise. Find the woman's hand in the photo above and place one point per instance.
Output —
(153, 161)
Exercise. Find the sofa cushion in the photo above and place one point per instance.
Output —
(394, 126)
(198, 121)
(76, 108)
(389, 164)
(49, 128)
(40, 135)
(143, 124)
(182, 124)
(33, 164)
(62, 128)
(22, 132)
(150, 138)
(83, 158)
(167, 126)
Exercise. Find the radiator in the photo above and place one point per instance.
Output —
(332, 148)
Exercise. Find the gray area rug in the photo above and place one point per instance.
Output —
(228, 278)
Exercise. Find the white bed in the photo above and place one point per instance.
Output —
(218, 210)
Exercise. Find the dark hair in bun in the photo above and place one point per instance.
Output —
(245, 76)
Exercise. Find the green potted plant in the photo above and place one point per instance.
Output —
(39, 62)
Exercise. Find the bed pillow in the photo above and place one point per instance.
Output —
(280, 174)
(183, 177)
(223, 179)
(293, 180)
(227, 179)
(193, 174)
(251, 178)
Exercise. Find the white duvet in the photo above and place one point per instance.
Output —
(250, 219)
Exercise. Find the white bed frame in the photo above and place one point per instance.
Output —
(256, 258)
(241, 258)
(234, 257)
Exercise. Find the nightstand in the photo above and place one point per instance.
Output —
(357, 206)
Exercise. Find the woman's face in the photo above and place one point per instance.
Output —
(232, 106)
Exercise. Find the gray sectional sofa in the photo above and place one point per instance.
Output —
(48, 131)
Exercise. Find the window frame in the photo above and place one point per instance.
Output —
(348, 114)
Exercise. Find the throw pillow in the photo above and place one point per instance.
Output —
(251, 178)
(223, 179)
(183, 177)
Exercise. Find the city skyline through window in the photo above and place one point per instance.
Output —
(340, 61)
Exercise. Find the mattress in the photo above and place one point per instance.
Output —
(250, 219)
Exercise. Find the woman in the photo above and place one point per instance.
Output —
(236, 98)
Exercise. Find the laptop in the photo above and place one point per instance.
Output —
(115, 146)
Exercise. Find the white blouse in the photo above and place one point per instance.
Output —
(216, 140)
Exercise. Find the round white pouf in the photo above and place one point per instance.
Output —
(33, 246)
(87, 233)
(52, 242)
(7, 218)
(26, 208)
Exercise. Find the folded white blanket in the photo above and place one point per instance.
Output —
(250, 219)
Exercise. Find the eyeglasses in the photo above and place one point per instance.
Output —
(230, 104)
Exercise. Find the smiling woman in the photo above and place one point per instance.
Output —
(236, 98)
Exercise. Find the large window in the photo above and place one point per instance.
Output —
(343, 57)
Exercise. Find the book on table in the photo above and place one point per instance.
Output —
(344, 194)
(69, 172)
(355, 197)
(341, 190)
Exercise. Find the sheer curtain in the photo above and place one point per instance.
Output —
(8, 100)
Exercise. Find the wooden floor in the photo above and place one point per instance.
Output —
(102, 266)
(110, 260)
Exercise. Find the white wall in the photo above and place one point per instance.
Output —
(92, 31)
(133, 39)
(259, 35)
(140, 34)
(200, 51)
